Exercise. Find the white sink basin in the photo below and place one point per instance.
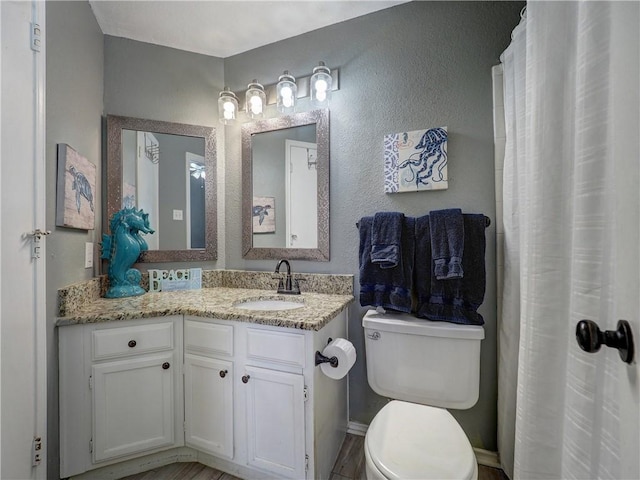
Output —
(270, 304)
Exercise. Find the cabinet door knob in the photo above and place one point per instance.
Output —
(132, 343)
(223, 373)
(245, 378)
(166, 365)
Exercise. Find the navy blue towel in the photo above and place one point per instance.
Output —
(386, 237)
(447, 243)
(457, 300)
(387, 287)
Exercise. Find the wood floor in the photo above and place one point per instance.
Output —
(348, 466)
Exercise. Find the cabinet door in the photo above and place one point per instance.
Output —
(275, 421)
(133, 405)
(209, 404)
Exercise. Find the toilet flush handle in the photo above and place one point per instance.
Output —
(373, 335)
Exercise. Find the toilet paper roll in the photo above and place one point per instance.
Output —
(345, 352)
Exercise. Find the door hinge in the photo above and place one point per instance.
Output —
(36, 235)
(306, 463)
(305, 393)
(91, 445)
(36, 37)
(184, 426)
(90, 382)
(37, 451)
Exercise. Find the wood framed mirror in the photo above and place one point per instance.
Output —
(169, 171)
(285, 187)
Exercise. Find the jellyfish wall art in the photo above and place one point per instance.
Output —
(415, 161)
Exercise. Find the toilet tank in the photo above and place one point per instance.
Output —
(432, 363)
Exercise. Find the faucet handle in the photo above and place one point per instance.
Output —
(280, 279)
(296, 285)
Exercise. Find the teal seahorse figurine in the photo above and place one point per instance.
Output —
(122, 248)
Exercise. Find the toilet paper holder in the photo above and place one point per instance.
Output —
(320, 358)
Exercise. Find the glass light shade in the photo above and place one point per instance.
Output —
(227, 107)
(286, 93)
(320, 86)
(255, 100)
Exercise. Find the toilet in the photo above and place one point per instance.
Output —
(425, 367)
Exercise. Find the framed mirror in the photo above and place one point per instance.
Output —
(169, 171)
(285, 187)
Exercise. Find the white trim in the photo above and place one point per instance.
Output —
(356, 428)
(0, 235)
(483, 457)
(40, 304)
(487, 458)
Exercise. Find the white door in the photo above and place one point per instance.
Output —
(133, 405)
(275, 422)
(194, 174)
(22, 280)
(209, 404)
(301, 187)
(147, 184)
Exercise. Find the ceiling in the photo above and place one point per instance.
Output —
(224, 28)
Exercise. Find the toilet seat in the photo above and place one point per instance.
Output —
(410, 441)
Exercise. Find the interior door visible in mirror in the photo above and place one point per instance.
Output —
(285, 187)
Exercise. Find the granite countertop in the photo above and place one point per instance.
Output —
(217, 302)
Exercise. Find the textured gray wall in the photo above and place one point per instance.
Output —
(74, 52)
(159, 83)
(414, 66)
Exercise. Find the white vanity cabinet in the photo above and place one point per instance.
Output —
(273, 414)
(120, 391)
(208, 386)
(243, 397)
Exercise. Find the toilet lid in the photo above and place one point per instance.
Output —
(411, 441)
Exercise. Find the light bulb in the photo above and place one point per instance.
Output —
(286, 93)
(321, 84)
(287, 96)
(255, 100)
(227, 106)
(229, 109)
(321, 91)
(256, 105)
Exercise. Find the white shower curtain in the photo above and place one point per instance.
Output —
(571, 216)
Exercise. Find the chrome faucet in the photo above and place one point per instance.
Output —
(289, 285)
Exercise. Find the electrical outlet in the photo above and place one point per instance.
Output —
(88, 255)
(177, 214)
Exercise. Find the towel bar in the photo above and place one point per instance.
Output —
(487, 221)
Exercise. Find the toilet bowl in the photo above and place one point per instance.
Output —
(410, 441)
(425, 367)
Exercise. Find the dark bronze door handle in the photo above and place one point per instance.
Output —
(590, 338)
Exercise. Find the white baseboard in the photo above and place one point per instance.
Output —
(138, 465)
(484, 457)
(487, 458)
(357, 428)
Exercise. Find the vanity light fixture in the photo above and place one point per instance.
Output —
(286, 93)
(320, 86)
(227, 106)
(255, 100)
